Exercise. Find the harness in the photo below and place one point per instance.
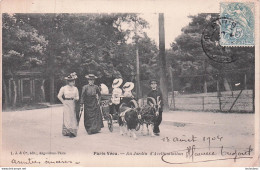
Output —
(148, 114)
(122, 114)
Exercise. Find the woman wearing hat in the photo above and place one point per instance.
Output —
(71, 94)
(92, 113)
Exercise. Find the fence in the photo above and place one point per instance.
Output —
(228, 101)
(232, 92)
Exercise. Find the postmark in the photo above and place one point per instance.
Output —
(241, 31)
(210, 40)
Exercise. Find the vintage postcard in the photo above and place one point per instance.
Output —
(129, 83)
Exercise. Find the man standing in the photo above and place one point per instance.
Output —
(155, 92)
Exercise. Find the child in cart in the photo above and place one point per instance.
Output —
(128, 95)
(116, 95)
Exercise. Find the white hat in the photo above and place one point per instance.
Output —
(117, 82)
(128, 86)
(104, 89)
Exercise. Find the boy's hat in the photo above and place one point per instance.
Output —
(154, 81)
(91, 76)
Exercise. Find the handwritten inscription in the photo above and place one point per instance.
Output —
(31, 160)
(193, 154)
(193, 138)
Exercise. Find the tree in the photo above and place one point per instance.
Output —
(187, 51)
(23, 48)
(84, 43)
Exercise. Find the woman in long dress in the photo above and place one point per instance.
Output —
(68, 95)
(89, 98)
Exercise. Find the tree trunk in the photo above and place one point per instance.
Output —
(51, 72)
(43, 98)
(15, 89)
(226, 84)
(205, 87)
(15, 93)
(173, 98)
(6, 101)
(162, 58)
(52, 89)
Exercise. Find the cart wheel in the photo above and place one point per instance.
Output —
(137, 127)
(110, 122)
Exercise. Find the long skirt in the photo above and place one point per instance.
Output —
(92, 115)
(70, 125)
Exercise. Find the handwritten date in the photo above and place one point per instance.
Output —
(193, 138)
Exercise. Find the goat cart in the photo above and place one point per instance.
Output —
(109, 112)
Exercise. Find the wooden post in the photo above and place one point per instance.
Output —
(138, 89)
(219, 100)
(218, 89)
(245, 82)
(203, 103)
(163, 80)
(138, 73)
(205, 86)
(219, 95)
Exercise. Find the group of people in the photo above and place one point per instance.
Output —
(89, 102)
(120, 95)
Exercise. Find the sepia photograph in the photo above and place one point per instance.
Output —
(109, 83)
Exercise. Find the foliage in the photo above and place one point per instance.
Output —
(23, 47)
(58, 44)
(190, 63)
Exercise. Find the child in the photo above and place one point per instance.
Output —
(128, 95)
(127, 88)
(116, 95)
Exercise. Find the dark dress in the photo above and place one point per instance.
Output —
(92, 113)
(154, 94)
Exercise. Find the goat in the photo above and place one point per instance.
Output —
(150, 114)
(129, 118)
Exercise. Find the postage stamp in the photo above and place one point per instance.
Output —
(241, 30)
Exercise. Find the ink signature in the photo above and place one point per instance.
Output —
(193, 154)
